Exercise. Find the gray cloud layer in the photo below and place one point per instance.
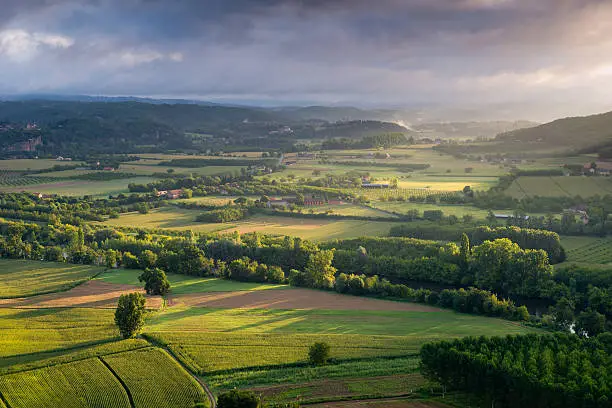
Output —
(384, 52)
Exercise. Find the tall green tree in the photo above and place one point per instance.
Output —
(319, 270)
(129, 315)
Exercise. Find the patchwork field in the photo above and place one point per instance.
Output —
(313, 229)
(258, 347)
(27, 278)
(231, 334)
(92, 294)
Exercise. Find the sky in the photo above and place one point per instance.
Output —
(549, 56)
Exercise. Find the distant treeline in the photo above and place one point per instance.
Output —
(194, 163)
(525, 237)
(385, 140)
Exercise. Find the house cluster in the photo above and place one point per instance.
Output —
(170, 194)
(597, 168)
(28, 145)
(581, 212)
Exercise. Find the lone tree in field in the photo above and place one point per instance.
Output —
(129, 315)
(156, 281)
(238, 399)
(318, 354)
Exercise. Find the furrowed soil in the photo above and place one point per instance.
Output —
(293, 299)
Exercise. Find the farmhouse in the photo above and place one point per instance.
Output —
(171, 195)
(599, 168)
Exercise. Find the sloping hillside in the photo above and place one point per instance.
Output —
(588, 134)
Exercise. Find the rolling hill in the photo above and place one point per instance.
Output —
(588, 134)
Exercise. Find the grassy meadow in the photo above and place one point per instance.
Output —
(27, 278)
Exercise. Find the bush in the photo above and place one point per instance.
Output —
(238, 399)
(318, 354)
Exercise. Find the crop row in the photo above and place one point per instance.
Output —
(595, 252)
(17, 180)
(406, 193)
(152, 377)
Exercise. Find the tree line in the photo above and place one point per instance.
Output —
(543, 371)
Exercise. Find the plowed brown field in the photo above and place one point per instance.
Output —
(90, 294)
(293, 299)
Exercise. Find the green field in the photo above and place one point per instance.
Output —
(152, 378)
(312, 229)
(28, 332)
(256, 347)
(560, 186)
(155, 379)
(183, 284)
(86, 383)
(27, 278)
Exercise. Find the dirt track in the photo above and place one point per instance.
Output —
(90, 294)
(293, 299)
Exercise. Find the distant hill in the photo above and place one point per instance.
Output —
(588, 134)
(470, 130)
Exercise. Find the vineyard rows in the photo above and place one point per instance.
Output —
(405, 193)
(14, 179)
(599, 252)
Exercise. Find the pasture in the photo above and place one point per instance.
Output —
(20, 278)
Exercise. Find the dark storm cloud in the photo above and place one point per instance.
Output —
(386, 51)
